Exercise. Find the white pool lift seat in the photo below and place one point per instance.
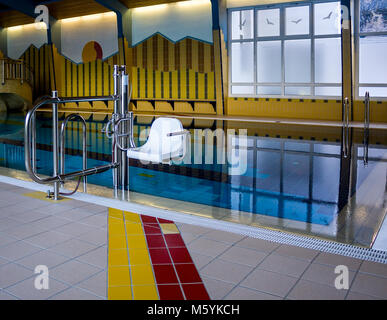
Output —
(167, 141)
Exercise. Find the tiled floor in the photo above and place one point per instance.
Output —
(71, 239)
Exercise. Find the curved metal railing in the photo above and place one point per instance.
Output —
(29, 144)
(15, 70)
(119, 162)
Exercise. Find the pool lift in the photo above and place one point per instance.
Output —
(167, 139)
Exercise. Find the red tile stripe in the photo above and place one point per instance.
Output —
(176, 275)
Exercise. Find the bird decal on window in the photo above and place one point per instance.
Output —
(328, 16)
(269, 22)
(242, 24)
(297, 21)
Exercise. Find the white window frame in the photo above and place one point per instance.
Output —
(357, 35)
(282, 37)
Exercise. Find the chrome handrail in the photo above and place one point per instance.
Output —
(119, 162)
(70, 117)
(27, 139)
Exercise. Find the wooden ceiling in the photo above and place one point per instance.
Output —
(62, 9)
(75, 8)
(145, 3)
(13, 18)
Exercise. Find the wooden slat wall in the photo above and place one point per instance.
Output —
(164, 70)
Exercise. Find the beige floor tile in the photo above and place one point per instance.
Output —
(188, 237)
(26, 289)
(324, 274)
(30, 216)
(5, 296)
(379, 269)
(24, 231)
(12, 273)
(17, 250)
(48, 239)
(200, 260)
(75, 294)
(223, 236)
(30, 203)
(7, 223)
(194, 229)
(306, 290)
(359, 296)
(3, 261)
(241, 293)
(258, 244)
(335, 260)
(75, 214)
(94, 208)
(96, 220)
(51, 222)
(245, 256)
(97, 257)
(370, 285)
(226, 271)
(207, 247)
(73, 272)
(269, 282)
(75, 229)
(72, 248)
(6, 239)
(96, 284)
(57, 209)
(97, 237)
(217, 289)
(296, 252)
(44, 257)
(285, 265)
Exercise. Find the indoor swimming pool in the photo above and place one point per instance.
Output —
(296, 178)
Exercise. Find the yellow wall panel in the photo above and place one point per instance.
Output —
(175, 85)
(162, 106)
(192, 86)
(92, 76)
(201, 88)
(142, 83)
(158, 82)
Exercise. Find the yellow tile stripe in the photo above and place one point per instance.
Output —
(130, 272)
(43, 196)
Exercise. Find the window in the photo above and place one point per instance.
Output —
(372, 43)
(286, 50)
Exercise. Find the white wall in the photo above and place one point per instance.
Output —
(76, 32)
(175, 21)
(20, 38)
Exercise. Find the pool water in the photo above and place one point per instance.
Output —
(293, 172)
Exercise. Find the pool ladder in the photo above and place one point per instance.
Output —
(346, 125)
(366, 128)
(124, 138)
(345, 135)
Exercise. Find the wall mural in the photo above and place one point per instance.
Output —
(87, 38)
(194, 19)
(20, 38)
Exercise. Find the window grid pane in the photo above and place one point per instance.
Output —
(279, 37)
(372, 66)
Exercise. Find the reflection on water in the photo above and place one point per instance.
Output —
(293, 181)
